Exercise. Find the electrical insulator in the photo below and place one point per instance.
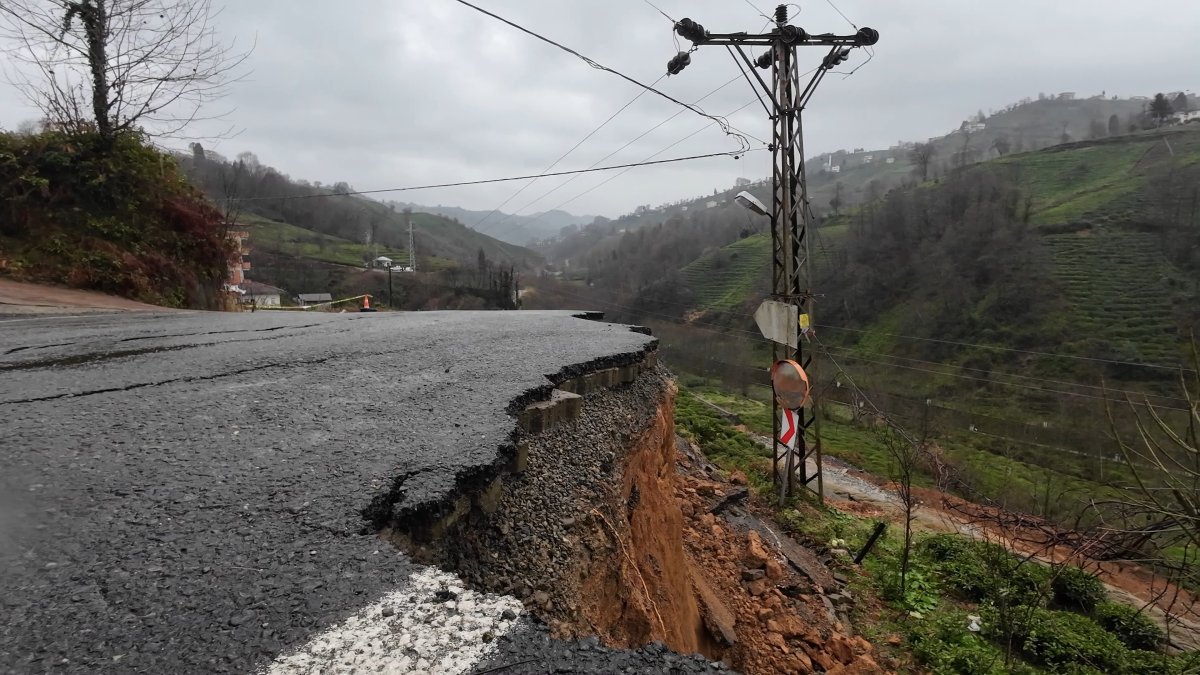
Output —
(866, 36)
(765, 60)
(678, 63)
(792, 34)
(690, 30)
(835, 59)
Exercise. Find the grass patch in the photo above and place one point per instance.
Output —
(1069, 184)
(721, 441)
(287, 239)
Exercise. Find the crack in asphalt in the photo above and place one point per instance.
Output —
(21, 349)
(175, 380)
(214, 332)
(96, 357)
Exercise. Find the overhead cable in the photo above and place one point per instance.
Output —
(723, 123)
(563, 156)
(488, 180)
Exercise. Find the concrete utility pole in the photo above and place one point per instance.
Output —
(791, 281)
(412, 247)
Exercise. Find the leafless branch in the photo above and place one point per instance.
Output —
(153, 65)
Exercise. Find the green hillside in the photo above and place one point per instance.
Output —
(1092, 202)
(1116, 284)
(724, 278)
(333, 218)
(297, 242)
(727, 277)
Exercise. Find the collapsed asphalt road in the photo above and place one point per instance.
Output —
(184, 493)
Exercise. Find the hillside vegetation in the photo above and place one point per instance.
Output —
(1013, 301)
(116, 217)
(245, 188)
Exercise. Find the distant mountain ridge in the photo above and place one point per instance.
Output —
(506, 227)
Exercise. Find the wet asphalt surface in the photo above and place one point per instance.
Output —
(185, 493)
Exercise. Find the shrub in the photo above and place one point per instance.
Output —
(117, 217)
(946, 647)
(1139, 662)
(1131, 627)
(921, 593)
(981, 572)
(1077, 589)
(945, 547)
(1060, 639)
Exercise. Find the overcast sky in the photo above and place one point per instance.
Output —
(387, 94)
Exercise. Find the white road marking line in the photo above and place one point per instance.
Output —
(422, 634)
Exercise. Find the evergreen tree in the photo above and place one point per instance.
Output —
(1160, 108)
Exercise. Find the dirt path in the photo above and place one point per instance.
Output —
(17, 297)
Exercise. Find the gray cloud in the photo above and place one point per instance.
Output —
(418, 91)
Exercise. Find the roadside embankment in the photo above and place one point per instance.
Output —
(607, 532)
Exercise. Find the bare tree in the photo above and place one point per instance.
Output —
(119, 64)
(906, 454)
(836, 202)
(965, 154)
(921, 156)
(1164, 461)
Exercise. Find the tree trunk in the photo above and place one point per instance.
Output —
(94, 17)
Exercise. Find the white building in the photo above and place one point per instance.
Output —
(261, 295)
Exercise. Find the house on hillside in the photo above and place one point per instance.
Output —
(383, 262)
(261, 295)
(307, 299)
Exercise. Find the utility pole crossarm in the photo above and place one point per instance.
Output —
(863, 38)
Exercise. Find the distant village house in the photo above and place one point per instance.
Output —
(261, 295)
(307, 299)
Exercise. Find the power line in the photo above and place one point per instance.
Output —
(489, 180)
(835, 8)
(563, 156)
(1179, 368)
(888, 417)
(1023, 377)
(888, 420)
(724, 124)
(614, 177)
(1008, 384)
(602, 159)
(737, 333)
(1014, 350)
(667, 16)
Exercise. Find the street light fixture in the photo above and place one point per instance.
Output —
(751, 202)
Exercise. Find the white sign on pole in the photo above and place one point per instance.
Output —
(778, 322)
